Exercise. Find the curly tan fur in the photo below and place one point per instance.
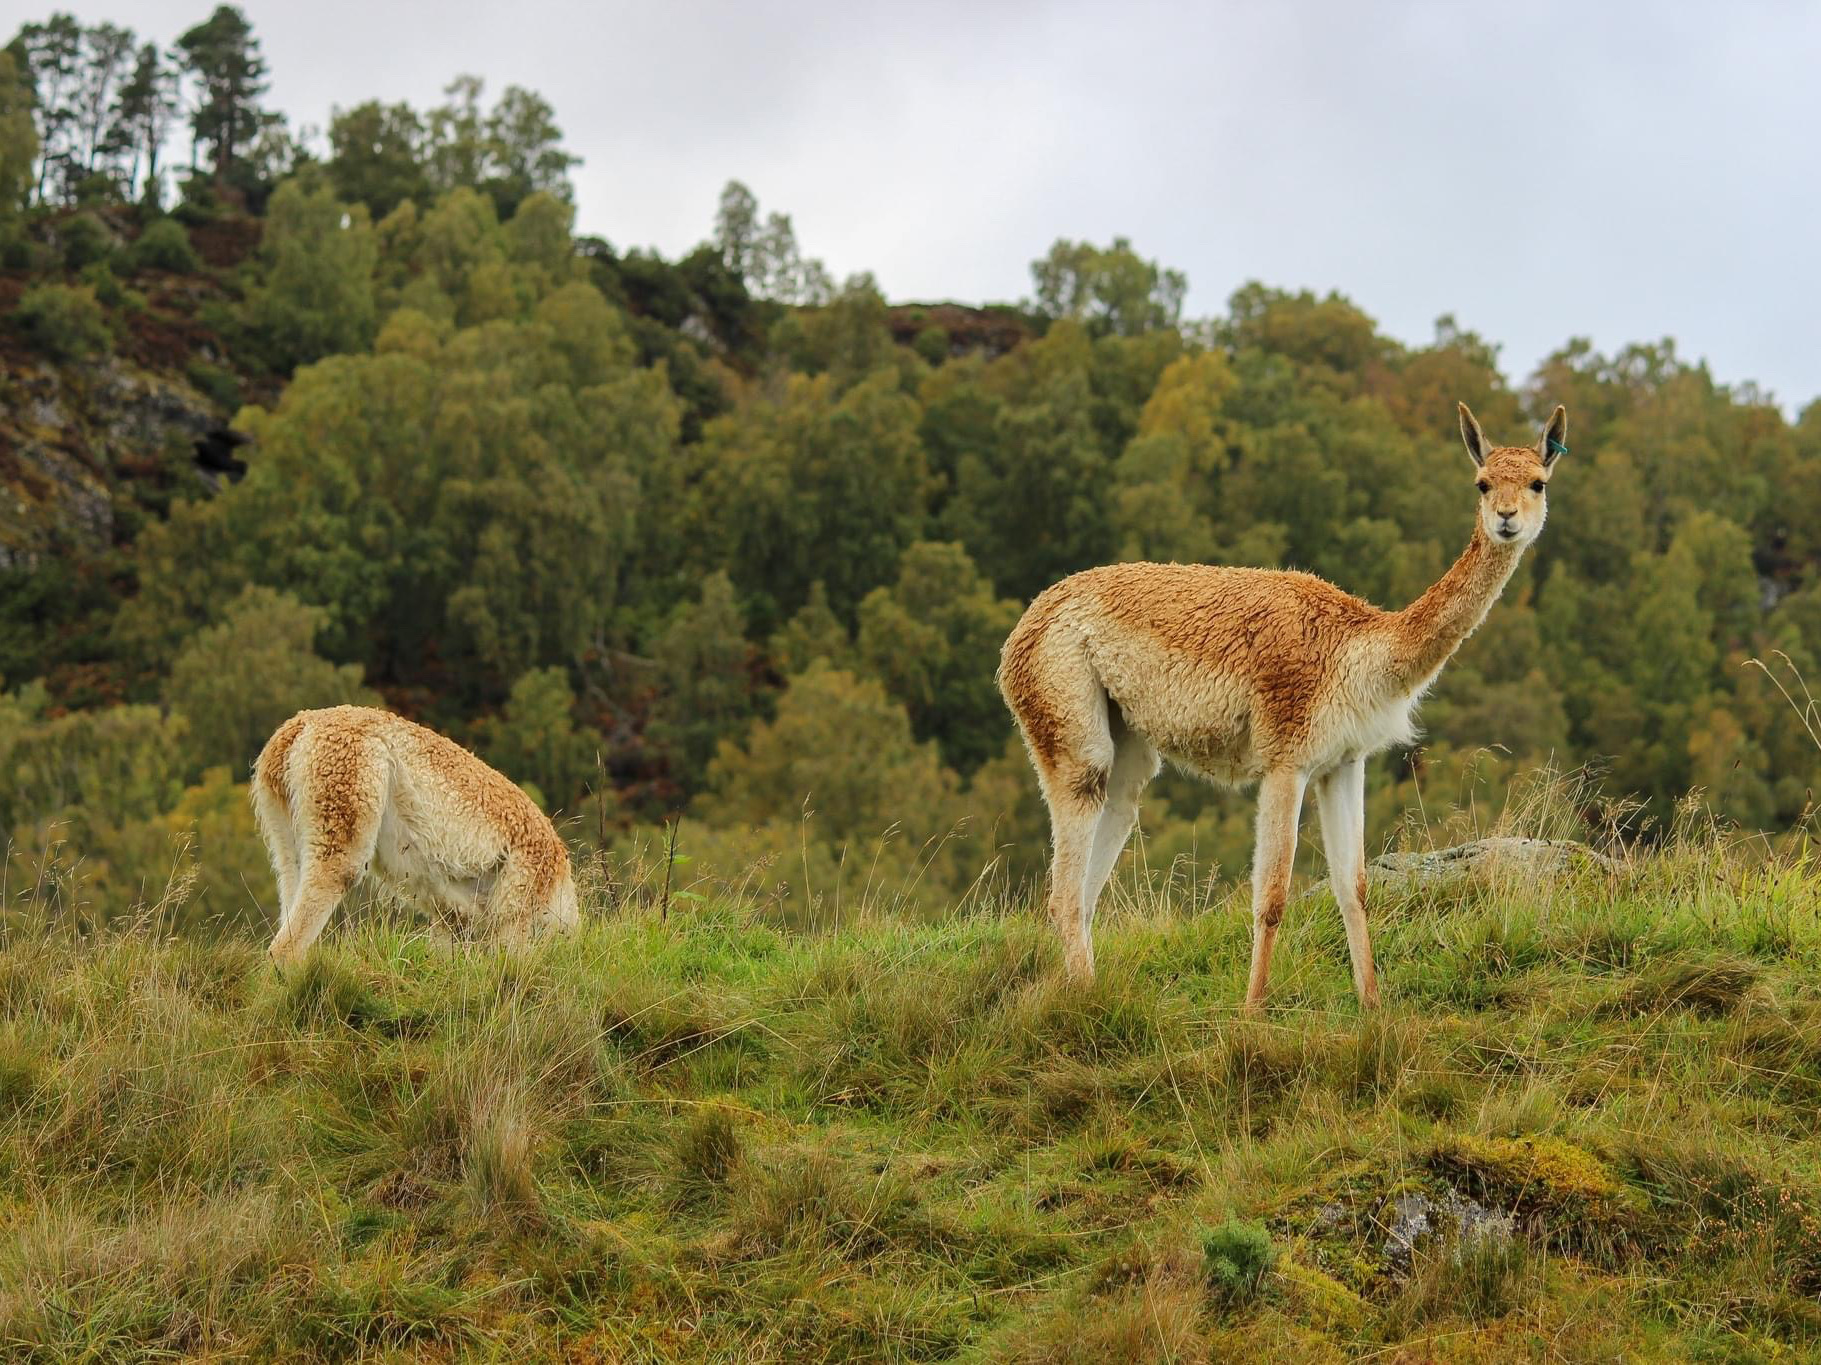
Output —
(344, 790)
(1246, 675)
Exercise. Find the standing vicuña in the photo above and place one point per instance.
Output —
(341, 790)
(1246, 675)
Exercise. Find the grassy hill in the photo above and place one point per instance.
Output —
(692, 1135)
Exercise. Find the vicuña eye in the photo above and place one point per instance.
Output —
(1484, 486)
(1536, 486)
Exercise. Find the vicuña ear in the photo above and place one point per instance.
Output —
(1473, 436)
(1554, 440)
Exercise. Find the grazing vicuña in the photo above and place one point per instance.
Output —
(1247, 675)
(349, 788)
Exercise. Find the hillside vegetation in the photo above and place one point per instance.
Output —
(362, 416)
(1584, 1128)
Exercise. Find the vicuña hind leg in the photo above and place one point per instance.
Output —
(1135, 763)
(1062, 712)
(1280, 800)
(1341, 798)
(274, 820)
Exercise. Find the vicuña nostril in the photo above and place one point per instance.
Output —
(1507, 516)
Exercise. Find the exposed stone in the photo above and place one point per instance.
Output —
(1500, 856)
(1415, 1217)
(78, 431)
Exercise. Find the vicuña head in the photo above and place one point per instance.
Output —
(1247, 675)
(1513, 481)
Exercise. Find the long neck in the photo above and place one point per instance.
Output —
(1430, 629)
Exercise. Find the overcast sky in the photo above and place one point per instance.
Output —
(1541, 170)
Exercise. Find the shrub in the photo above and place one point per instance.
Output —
(97, 187)
(1236, 1256)
(932, 343)
(17, 251)
(164, 245)
(221, 386)
(84, 240)
(64, 321)
(101, 278)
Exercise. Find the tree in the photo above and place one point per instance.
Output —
(510, 153)
(1326, 332)
(847, 337)
(50, 58)
(376, 156)
(766, 258)
(1030, 503)
(536, 741)
(236, 680)
(705, 666)
(1108, 288)
(525, 151)
(456, 146)
(933, 638)
(815, 485)
(736, 231)
(107, 48)
(460, 509)
(842, 748)
(18, 136)
(317, 295)
(143, 114)
(223, 55)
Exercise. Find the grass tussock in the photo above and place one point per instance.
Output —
(695, 1135)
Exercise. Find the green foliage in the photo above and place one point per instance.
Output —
(317, 295)
(376, 156)
(64, 321)
(537, 742)
(100, 768)
(224, 57)
(705, 667)
(509, 153)
(933, 639)
(815, 486)
(452, 488)
(163, 245)
(235, 681)
(1109, 288)
(18, 135)
(507, 454)
(1237, 1255)
(84, 240)
(219, 384)
(841, 748)
(764, 256)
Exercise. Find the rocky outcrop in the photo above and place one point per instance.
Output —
(73, 435)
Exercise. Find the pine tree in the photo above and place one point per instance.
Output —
(143, 114)
(224, 57)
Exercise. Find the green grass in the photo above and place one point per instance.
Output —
(705, 1137)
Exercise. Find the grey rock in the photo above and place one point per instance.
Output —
(1503, 856)
(1415, 1217)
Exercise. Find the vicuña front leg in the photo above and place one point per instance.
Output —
(1280, 800)
(1341, 799)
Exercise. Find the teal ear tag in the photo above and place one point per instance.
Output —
(1556, 447)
